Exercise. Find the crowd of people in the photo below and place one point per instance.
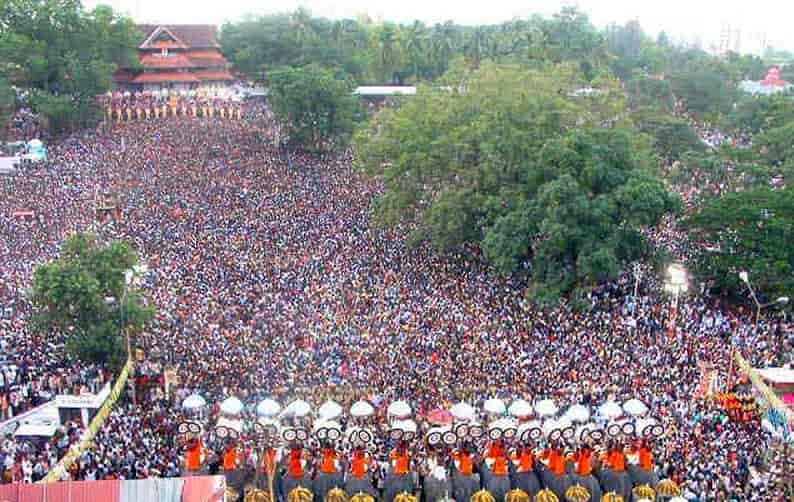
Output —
(270, 280)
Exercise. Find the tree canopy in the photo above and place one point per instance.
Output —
(83, 295)
(750, 230)
(317, 108)
(509, 160)
(64, 55)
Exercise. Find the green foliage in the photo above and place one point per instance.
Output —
(755, 114)
(705, 86)
(71, 297)
(7, 104)
(671, 137)
(645, 92)
(753, 230)
(777, 145)
(317, 107)
(64, 53)
(512, 163)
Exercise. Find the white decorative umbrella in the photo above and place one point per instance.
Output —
(578, 413)
(361, 409)
(405, 425)
(494, 406)
(298, 408)
(232, 406)
(546, 408)
(330, 410)
(610, 409)
(399, 409)
(193, 401)
(635, 407)
(463, 411)
(520, 408)
(268, 408)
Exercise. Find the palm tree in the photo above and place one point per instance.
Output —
(388, 50)
(414, 41)
(444, 44)
(478, 45)
(300, 22)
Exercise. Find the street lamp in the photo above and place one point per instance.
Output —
(636, 270)
(675, 284)
(783, 300)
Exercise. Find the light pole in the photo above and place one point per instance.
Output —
(783, 300)
(675, 284)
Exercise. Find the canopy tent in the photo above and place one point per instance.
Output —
(36, 430)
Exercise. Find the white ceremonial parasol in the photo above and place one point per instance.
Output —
(546, 408)
(610, 409)
(578, 413)
(361, 409)
(463, 411)
(494, 406)
(399, 409)
(635, 407)
(405, 425)
(520, 408)
(298, 408)
(268, 408)
(232, 406)
(330, 410)
(193, 401)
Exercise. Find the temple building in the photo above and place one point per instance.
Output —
(177, 57)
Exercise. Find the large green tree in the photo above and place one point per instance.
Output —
(750, 230)
(317, 108)
(511, 162)
(63, 54)
(84, 295)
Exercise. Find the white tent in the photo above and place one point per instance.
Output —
(36, 430)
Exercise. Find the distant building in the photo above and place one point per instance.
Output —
(178, 57)
(771, 84)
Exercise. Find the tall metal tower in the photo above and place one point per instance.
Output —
(725, 39)
(737, 44)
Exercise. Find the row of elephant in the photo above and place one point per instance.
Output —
(164, 111)
(540, 484)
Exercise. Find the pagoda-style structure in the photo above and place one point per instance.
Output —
(177, 57)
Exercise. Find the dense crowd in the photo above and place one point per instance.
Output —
(270, 280)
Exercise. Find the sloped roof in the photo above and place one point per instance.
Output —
(193, 35)
(213, 75)
(172, 61)
(154, 78)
